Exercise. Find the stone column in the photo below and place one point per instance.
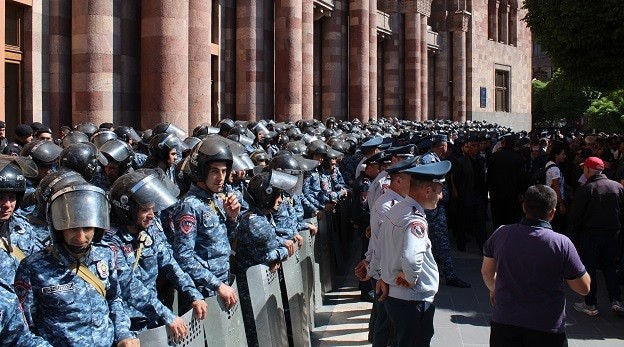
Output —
(393, 66)
(359, 59)
(334, 61)
(249, 59)
(2, 43)
(441, 62)
(413, 38)
(424, 70)
(35, 64)
(92, 61)
(164, 62)
(288, 60)
(307, 94)
(372, 74)
(267, 40)
(199, 63)
(459, 27)
(60, 63)
(228, 59)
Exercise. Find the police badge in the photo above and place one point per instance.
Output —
(102, 269)
(148, 241)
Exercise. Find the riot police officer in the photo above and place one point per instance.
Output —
(204, 222)
(120, 157)
(163, 154)
(258, 242)
(143, 252)
(17, 238)
(82, 157)
(69, 291)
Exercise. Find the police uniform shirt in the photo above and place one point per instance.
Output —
(377, 188)
(139, 284)
(405, 247)
(65, 309)
(383, 204)
(201, 239)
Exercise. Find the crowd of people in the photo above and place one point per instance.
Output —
(100, 225)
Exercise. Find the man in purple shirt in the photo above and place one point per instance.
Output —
(524, 267)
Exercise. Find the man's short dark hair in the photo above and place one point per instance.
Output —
(539, 200)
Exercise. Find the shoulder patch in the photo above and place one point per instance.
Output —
(187, 224)
(21, 289)
(418, 229)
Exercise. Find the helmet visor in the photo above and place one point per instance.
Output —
(288, 183)
(117, 149)
(79, 207)
(150, 192)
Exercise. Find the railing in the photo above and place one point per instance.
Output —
(433, 40)
(383, 23)
(327, 4)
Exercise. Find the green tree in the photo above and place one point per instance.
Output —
(563, 98)
(607, 114)
(583, 38)
(537, 100)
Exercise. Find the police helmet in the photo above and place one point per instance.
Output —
(101, 136)
(142, 188)
(52, 183)
(161, 144)
(169, 129)
(126, 133)
(259, 156)
(12, 179)
(43, 153)
(191, 142)
(317, 147)
(118, 151)
(225, 125)
(87, 128)
(74, 137)
(78, 206)
(264, 188)
(211, 149)
(83, 158)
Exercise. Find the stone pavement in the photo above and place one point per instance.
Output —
(462, 315)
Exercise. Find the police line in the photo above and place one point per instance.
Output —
(307, 275)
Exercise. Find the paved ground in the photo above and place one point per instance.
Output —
(461, 317)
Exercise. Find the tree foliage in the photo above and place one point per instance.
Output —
(607, 114)
(583, 38)
(561, 98)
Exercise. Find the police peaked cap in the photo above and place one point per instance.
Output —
(402, 151)
(372, 143)
(438, 138)
(430, 172)
(373, 159)
(402, 165)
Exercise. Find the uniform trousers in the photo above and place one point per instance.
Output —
(412, 321)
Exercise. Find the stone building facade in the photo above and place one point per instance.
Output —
(142, 62)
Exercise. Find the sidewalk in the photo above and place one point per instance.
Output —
(462, 315)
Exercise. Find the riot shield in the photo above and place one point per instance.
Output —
(160, 336)
(267, 307)
(297, 301)
(223, 327)
(307, 273)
